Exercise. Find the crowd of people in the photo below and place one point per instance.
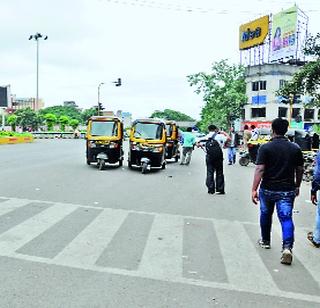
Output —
(276, 182)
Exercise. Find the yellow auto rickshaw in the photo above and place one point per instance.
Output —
(104, 141)
(172, 149)
(147, 144)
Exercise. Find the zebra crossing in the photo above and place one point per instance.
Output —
(190, 250)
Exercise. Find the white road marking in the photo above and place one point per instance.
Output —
(86, 248)
(163, 252)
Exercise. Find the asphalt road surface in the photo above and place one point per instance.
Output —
(74, 236)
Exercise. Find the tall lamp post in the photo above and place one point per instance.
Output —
(100, 84)
(36, 37)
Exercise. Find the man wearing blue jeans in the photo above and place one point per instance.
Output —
(314, 237)
(279, 173)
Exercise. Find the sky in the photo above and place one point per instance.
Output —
(152, 45)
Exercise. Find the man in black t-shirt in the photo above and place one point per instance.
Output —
(279, 173)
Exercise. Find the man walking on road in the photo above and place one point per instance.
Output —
(214, 160)
(279, 169)
(314, 237)
(187, 147)
(233, 143)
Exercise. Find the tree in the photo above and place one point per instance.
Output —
(70, 111)
(307, 80)
(27, 118)
(12, 120)
(87, 113)
(223, 91)
(169, 114)
(50, 119)
(74, 123)
(64, 121)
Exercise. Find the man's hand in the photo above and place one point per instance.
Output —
(255, 197)
(314, 199)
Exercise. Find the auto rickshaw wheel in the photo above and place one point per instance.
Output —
(88, 162)
(244, 161)
(101, 164)
(129, 164)
(164, 165)
(176, 159)
(120, 163)
(144, 168)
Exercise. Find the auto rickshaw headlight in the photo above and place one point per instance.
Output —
(92, 144)
(158, 149)
(113, 145)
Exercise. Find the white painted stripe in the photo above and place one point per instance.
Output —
(307, 254)
(244, 266)
(12, 204)
(162, 256)
(86, 248)
(21, 234)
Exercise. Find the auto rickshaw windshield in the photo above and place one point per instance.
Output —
(151, 131)
(169, 130)
(99, 128)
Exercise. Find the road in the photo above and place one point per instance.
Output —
(73, 236)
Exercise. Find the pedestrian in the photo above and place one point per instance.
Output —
(189, 141)
(232, 145)
(279, 170)
(214, 160)
(314, 237)
(254, 133)
(246, 136)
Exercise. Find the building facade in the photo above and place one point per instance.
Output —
(21, 103)
(264, 105)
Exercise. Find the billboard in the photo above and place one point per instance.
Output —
(283, 34)
(4, 95)
(253, 33)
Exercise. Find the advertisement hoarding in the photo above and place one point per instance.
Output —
(253, 33)
(4, 97)
(283, 34)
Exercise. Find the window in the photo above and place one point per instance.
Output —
(282, 112)
(282, 83)
(243, 114)
(255, 86)
(295, 112)
(263, 85)
(258, 112)
(308, 114)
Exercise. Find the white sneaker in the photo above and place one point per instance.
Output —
(286, 257)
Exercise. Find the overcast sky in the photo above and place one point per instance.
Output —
(151, 44)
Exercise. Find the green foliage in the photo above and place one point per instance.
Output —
(14, 134)
(169, 114)
(12, 121)
(74, 123)
(87, 113)
(58, 111)
(307, 79)
(50, 119)
(223, 91)
(63, 120)
(27, 118)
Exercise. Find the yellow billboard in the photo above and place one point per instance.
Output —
(253, 33)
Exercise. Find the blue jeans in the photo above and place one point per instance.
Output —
(316, 232)
(283, 200)
(232, 154)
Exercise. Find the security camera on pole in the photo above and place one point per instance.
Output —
(117, 83)
(36, 37)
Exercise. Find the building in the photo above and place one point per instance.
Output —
(262, 82)
(21, 103)
(70, 104)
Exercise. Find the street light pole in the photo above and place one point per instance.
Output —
(100, 84)
(37, 37)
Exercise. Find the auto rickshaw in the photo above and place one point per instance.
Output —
(104, 141)
(147, 144)
(172, 149)
(253, 146)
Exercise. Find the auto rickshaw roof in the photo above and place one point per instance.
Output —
(148, 120)
(170, 122)
(104, 118)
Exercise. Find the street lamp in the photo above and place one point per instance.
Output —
(100, 84)
(36, 37)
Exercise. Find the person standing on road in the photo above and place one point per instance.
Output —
(232, 146)
(254, 133)
(279, 169)
(189, 141)
(246, 137)
(214, 160)
(314, 237)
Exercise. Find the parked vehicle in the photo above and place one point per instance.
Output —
(147, 144)
(172, 147)
(104, 141)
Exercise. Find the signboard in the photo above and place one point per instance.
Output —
(258, 124)
(283, 34)
(253, 33)
(3, 97)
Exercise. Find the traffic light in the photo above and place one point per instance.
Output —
(100, 107)
(118, 83)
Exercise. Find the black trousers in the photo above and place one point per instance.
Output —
(215, 177)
